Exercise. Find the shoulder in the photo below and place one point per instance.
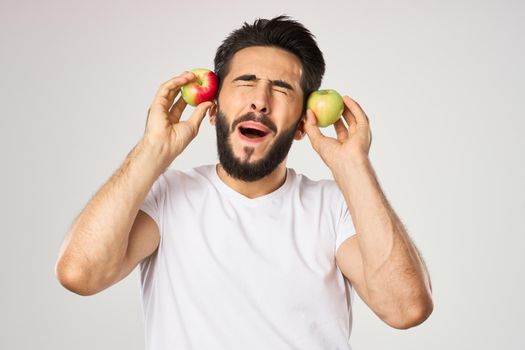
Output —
(195, 174)
(183, 180)
(326, 188)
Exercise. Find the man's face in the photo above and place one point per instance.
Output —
(261, 87)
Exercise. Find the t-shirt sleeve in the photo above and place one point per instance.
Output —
(345, 226)
(152, 204)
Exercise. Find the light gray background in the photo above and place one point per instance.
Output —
(441, 82)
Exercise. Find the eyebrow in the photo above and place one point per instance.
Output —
(253, 77)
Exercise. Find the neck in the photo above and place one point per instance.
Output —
(258, 188)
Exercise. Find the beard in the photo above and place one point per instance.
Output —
(251, 171)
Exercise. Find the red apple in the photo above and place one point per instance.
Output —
(203, 88)
(327, 106)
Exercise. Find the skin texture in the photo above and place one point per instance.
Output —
(259, 99)
(245, 169)
(111, 236)
(380, 261)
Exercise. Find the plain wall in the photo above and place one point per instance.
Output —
(441, 82)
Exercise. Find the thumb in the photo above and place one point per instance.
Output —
(198, 114)
(312, 130)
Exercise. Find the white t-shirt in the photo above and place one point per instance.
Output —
(233, 273)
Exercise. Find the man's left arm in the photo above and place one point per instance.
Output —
(381, 261)
(393, 275)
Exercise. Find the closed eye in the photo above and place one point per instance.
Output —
(251, 85)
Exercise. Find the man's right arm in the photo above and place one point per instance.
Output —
(110, 236)
(95, 254)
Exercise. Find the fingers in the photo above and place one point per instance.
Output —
(312, 130)
(354, 114)
(356, 111)
(176, 110)
(340, 130)
(349, 116)
(198, 114)
(168, 90)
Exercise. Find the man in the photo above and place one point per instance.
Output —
(248, 254)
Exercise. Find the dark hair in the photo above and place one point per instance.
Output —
(281, 32)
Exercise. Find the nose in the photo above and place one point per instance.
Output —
(261, 100)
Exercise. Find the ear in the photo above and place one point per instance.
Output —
(300, 132)
(212, 112)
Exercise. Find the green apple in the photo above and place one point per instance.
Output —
(327, 106)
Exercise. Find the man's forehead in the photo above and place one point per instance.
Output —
(266, 63)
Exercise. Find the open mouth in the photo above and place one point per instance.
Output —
(252, 133)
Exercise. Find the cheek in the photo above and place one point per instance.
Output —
(232, 101)
(291, 109)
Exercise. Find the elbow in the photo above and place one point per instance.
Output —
(73, 280)
(413, 317)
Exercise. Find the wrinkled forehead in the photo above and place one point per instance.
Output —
(266, 63)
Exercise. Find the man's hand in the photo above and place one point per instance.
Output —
(353, 142)
(163, 125)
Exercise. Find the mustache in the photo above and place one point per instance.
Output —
(261, 118)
